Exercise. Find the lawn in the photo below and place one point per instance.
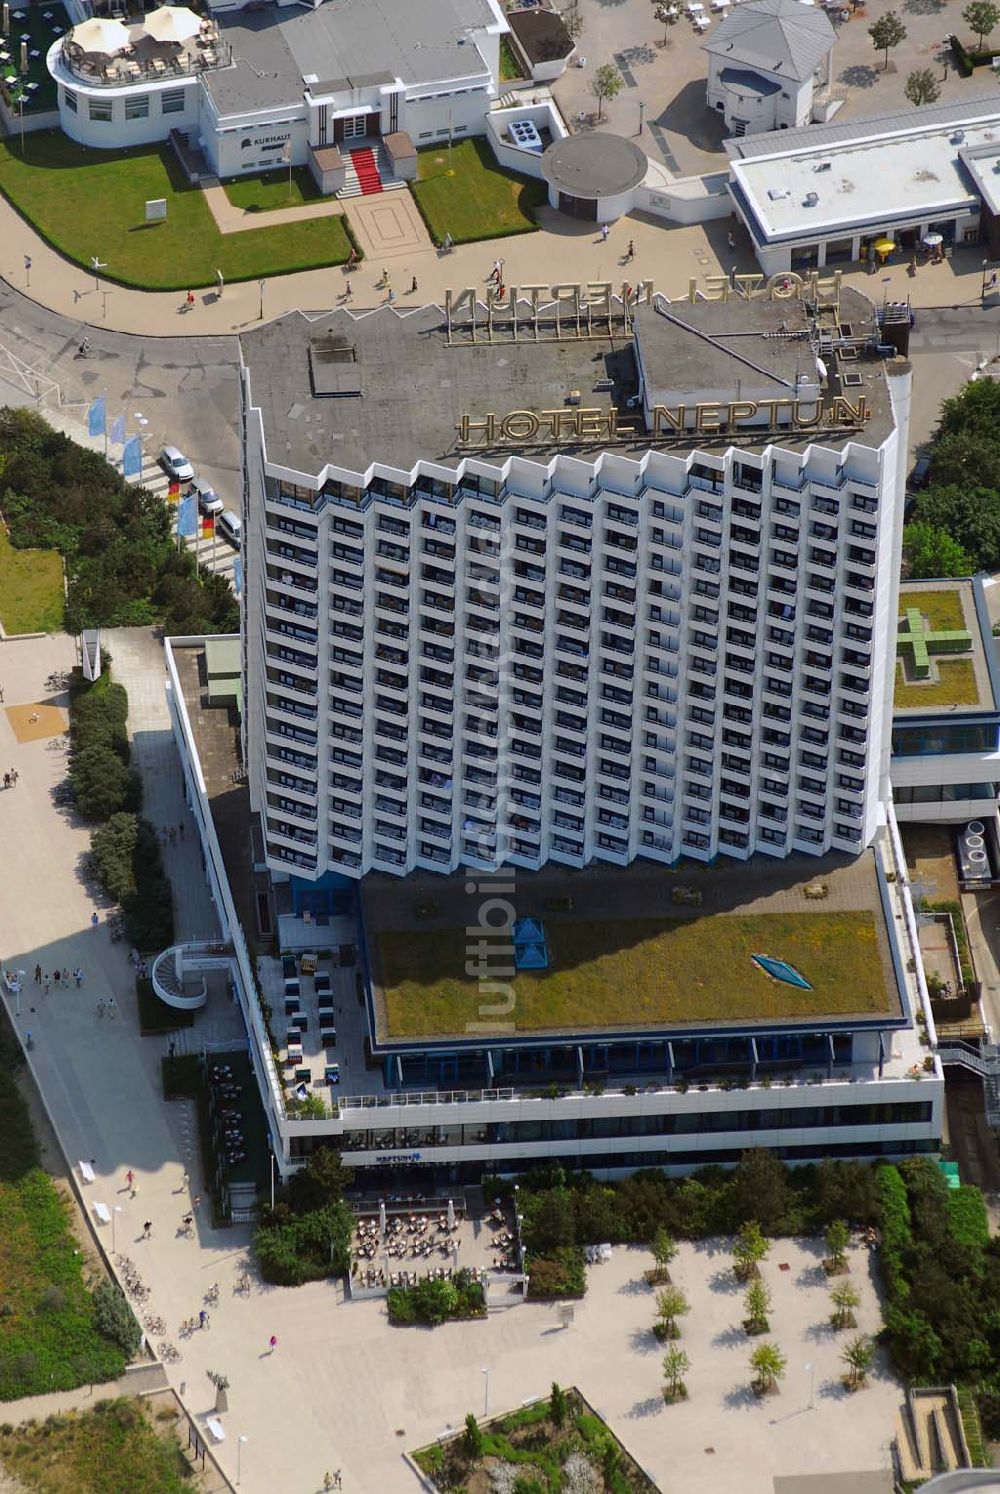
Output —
(955, 686)
(31, 589)
(942, 609)
(114, 1449)
(538, 1449)
(269, 191)
(462, 191)
(48, 1339)
(86, 202)
(640, 973)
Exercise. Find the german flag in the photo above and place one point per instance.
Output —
(207, 526)
(173, 490)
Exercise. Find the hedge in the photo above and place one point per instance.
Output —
(897, 1236)
(559, 1275)
(968, 1221)
(434, 1301)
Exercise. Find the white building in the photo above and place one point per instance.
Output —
(765, 61)
(825, 195)
(648, 612)
(260, 83)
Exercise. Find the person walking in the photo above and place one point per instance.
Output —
(46, 988)
(38, 975)
(147, 1229)
(112, 1008)
(78, 977)
(189, 299)
(413, 286)
(56, 976)
(203, 1319)
(348, 291)
(272, 1344)
(605, 230)
(630, 251)
(130, 1181)
(94, 921)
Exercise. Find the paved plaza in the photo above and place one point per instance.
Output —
(343, 1389)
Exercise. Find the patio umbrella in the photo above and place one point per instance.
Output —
(932, 240)
(100, 34)
(451, 1214)
(172, 23)
(884, 246)
(381, 1219)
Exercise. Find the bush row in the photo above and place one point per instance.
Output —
(103, 783)
(129, 866)
(575, 1209)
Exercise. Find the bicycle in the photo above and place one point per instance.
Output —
(169, 1352)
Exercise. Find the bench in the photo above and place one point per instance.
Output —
(103, 1213)
(87, 1172)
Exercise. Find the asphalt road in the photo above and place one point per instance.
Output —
(186, 387)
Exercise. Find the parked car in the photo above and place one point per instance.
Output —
(209, 501)
(230, 526)
(175, 464)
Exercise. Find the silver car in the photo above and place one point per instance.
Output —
(209, 502)
(175, 464)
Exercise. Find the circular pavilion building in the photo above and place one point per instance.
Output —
(593, 176)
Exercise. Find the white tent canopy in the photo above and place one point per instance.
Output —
(101, 34)
(172, 23)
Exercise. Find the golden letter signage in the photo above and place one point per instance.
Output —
(566, 425)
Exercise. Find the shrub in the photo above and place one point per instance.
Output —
(968, 1221)
(115, 1318)
(434, 1301)
(897, 1237)
(102, 784)
(560, 1274)
(292, 1249)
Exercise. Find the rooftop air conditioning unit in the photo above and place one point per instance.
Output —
(810, 199)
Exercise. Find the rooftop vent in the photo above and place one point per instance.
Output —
(333, 364)
(823, 166)
(778, 194)
(851, 379)
(810, 199)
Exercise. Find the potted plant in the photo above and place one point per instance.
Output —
(675, 1366)
(768, 1365)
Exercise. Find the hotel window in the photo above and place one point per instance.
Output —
(172, 101)
(137, 106)
(69, 99)
(100, 109)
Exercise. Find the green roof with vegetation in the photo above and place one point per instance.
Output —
(643, 973)
(934, 644)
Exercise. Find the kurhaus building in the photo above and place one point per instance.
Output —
(650, 611)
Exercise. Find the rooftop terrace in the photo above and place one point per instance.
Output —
(624, 956)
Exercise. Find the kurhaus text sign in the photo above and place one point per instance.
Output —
(538, 427)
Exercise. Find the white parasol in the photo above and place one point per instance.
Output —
(100, 34)
(172, 23)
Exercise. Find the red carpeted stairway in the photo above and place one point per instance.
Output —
(366, 168)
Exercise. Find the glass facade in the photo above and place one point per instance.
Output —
(941, 737)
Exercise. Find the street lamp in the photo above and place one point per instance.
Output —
(486, 1394)
(992, 282)
(117, 1209)
(642, 110)
(240, 1442)
(97, 265)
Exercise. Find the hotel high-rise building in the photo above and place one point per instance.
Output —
(575, 582)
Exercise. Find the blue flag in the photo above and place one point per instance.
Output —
(238, 576)
(187, 516)
(118, 430)
(97, 418)
(132, 457)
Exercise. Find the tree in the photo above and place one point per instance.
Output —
(858, 1355)
(749, 1249)
(472, 1438)
(102, 784)
(607, 83)
(844, 1298)
(554, 1223)
(967, 507)
(666, 19)
(981, 17)
(558, 1405)
(675, 1366)
(671, 1304)
(922, 87)
(664, 1250)
(760, 1189)
(758, 1304)
(888, 31)
(930, 552)
(837, 1240)
(114, 1317)
(768, 1365)
(321, 1181)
